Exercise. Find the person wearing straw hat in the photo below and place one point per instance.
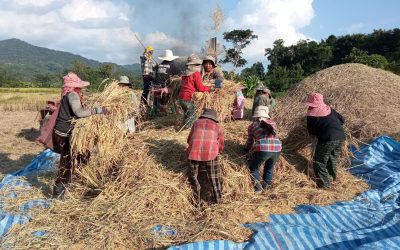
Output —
(191, 82)
(129, 124)
(263, 97)
(159, 88)
(70, 108)
(206, 142)
(210, 73)
(147, 64)
(327, 125)
(265, 147)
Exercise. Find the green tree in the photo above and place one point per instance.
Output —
(360, 56)
(257, 69)
(239, 39)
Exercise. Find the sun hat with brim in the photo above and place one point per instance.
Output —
(315, 100)
(319, 111)
(73, 81)
(261, 112)
(194, 59)
(168, 56)
(209, 59)
(124, 80)
(210, 113)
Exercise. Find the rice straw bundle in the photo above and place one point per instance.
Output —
(220, 100)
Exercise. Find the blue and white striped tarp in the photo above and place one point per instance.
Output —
(370, 221)
(44, 162)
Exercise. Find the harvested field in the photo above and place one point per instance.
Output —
(117, 203)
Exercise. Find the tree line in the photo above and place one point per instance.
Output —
(290, 64)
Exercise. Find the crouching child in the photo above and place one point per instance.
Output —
(206, 141)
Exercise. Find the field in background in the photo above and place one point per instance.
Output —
(26, 99)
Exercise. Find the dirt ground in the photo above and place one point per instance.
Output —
(18, 131)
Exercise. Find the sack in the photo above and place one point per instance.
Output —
(46, 132)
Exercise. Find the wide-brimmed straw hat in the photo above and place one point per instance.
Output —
(261, 87)
(168, 56)
(261, 112)
(210, 59)
(73, 81)
(194, 59)
(211, 114)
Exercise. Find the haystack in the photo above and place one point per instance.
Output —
(145, 200)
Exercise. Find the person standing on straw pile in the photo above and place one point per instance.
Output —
(70, 108)
(164, 71)
(210, 72)
(206, 141)
(147, 64)
(326, 124)
(263, 97)
(129, 125)
(191, 82)
(265, 146)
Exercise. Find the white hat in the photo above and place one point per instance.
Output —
(168, 56)
(261, 111)
(123, 80)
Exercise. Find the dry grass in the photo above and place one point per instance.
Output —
(144, 184)
(26, 99)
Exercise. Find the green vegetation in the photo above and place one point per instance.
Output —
(25, 66)
(290, 64)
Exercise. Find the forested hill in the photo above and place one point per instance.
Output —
(21, 61)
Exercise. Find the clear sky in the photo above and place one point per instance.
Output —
(105, 30)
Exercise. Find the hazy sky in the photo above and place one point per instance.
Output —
(105, 30)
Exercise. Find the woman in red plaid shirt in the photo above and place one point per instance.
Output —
(206, 142)
(265, 147)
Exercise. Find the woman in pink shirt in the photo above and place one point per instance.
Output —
(191, 82)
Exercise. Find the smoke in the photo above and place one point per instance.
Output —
(182, 26)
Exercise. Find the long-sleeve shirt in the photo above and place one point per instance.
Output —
(326, 128)
(238, 106)
(70, 107)
(206, 140)
(263, 100)
(257, 140)
(147, 65)
(191, 84)
(216, 74)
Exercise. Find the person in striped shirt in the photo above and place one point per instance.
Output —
(265, 147)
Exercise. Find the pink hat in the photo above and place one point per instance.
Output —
(319, 111)
(73, 81)
(315, 100)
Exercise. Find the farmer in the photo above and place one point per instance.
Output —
(129, 125)
(263, 97)
(210, 73)
(326, 124)
(238, 104)
(265, 147)
(191, 82)
(164, 71)
(147, 64)
(206, 141)
(70, 108)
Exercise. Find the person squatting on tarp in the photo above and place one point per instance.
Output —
(147, 64)
(265, 147)
(326, 124)
(210, 73)
(263, 97)
(159, 88)
(191, 82)
(238, 104)
(206, 142)
(129, 125)
(70, 108)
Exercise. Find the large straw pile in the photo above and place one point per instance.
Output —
(146, 186)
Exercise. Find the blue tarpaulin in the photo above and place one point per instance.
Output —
(16, 183)
(370, 221)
